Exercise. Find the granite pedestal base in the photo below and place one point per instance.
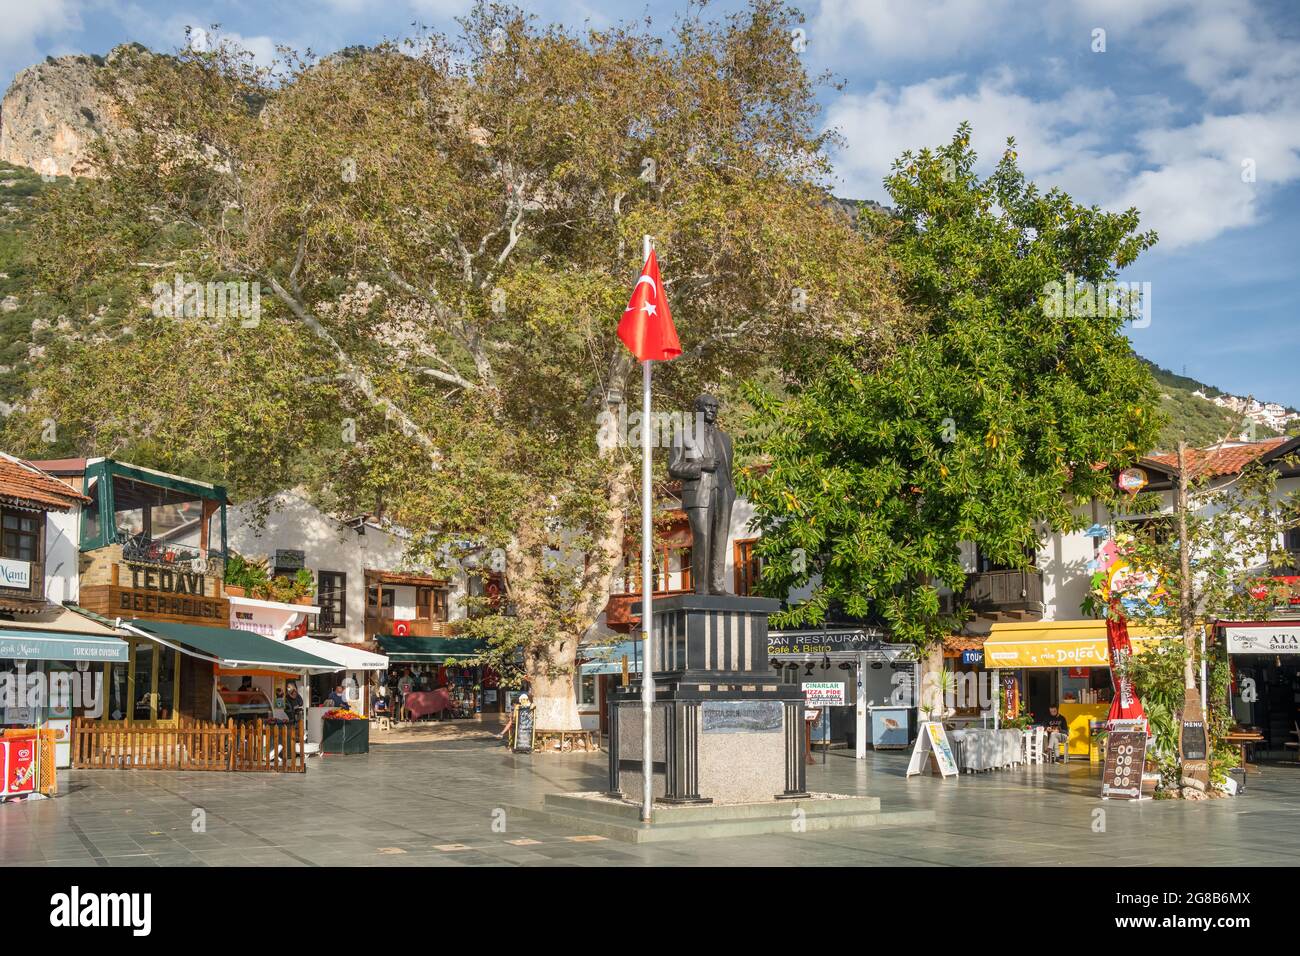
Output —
(725, 729)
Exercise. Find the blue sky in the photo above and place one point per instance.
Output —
(1184, 93)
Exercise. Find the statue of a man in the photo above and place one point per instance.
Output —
(701, 459)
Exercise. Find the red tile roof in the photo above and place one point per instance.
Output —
(1222, 460)
(23, 483)
(962, 642)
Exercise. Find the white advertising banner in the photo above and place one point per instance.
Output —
(1270, 639)
(15, 574)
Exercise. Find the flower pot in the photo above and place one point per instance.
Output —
(305, 599)
(234, 590)
(345, 736)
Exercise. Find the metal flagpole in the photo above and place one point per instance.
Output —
(647, 594)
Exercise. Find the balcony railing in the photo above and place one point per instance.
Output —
(1016, 593)
(618, 612)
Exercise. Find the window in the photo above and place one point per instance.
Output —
(1292, 538)
(586, 690)
(21, 536)
(984, 563)
(1157, 529)
(332, 587)
(748, 567)
(380, 597)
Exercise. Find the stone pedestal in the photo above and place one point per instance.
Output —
(725, 729)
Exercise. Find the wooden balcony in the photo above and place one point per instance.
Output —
(380, 620)
(618, 611)
(1015, 595)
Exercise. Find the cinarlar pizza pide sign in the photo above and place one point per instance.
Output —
(1272, 639)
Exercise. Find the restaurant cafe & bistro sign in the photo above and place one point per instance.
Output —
(1268, 639)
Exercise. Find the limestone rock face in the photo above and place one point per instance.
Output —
(53, 111)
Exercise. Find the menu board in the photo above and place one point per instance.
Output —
(1126, 754)
(1194, 747)
(932, 740)
(523, 729)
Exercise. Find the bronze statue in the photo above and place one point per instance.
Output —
(701, 458)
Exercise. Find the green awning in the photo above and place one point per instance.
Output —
(235, 648)
(61, 646)
(428, 650)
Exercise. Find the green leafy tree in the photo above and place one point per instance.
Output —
(448, 229)
(987, 425)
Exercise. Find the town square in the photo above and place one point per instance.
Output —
(705, 435)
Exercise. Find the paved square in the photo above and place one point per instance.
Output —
(443, 804)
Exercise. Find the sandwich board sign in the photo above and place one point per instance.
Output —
(932, 740)
(1125, 756)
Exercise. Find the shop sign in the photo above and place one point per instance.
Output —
(15, 574)
(290, 560)
(1263, 640)
(824, 694)
(1079, 672)
(972, 657)
(778, 643)
(1125, 757)
(17, 767)
(742, 716)
(168, 592)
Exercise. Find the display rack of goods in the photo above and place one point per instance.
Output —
(344, 732)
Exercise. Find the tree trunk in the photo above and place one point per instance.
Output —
(1195, 773)
(552, 665)
(1186, 604)
(551, 670)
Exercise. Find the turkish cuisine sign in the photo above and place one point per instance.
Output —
(1263, 640)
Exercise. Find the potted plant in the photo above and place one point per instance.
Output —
(304, 586)
(344, 732)
(244, 578)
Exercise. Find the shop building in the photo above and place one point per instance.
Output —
(373, 605)
(51, 658)
(150, 559)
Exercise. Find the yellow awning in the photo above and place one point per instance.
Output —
(1052, 644)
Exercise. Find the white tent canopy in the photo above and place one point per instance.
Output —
(348, 658)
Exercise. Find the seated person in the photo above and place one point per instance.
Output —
(338, 698)
(1056, 722)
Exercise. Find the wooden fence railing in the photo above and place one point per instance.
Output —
(191, 745)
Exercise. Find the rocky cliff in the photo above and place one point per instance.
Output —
(53, 111)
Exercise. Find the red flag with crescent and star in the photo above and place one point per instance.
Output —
(647, 326)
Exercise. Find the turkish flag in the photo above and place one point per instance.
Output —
(647, 325)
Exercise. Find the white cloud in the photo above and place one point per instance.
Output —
(1179, 163)
(905, 29)
(28, 27)
(1056, 138)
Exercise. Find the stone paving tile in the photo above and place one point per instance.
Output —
(416, 798)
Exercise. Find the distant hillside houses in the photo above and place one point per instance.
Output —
(1267, 414)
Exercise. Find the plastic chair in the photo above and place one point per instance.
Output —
(1034, 745)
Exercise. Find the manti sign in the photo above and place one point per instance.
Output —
(15, 574)
(1270, 639)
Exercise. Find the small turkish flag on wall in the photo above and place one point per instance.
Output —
(647, 326)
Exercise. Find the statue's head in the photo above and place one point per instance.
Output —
(707, 405)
